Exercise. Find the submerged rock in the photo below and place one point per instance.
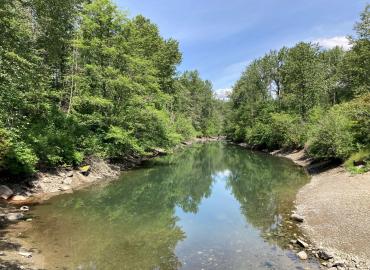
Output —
(5, 192)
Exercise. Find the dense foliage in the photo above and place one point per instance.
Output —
(80, 78)
(306, 96)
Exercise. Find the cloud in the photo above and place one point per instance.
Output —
(223, 94)
(329, 43)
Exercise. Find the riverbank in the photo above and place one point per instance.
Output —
(336, 212)
(15, 251)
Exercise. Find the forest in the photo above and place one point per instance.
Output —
(308, 97)
(80, 78)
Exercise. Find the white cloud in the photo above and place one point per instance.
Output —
(329, 43)
(229, 75)
(223, 94)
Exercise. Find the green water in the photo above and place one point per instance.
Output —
(210, 206)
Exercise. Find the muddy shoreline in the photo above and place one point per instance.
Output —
(335, 206)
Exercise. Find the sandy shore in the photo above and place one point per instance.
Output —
(336, 210)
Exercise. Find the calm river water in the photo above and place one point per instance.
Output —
(209, 206)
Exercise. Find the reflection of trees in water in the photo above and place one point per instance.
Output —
(264, 186)
(134, 220)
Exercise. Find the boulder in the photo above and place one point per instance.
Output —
(297, 217)
(5, 192)
(302, 255)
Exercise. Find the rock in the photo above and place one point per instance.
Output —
(302, 255)
(14, 216)
(297, 217)
(5, 192)
(24, 208)
(85, 170)
(325, 255)
(25, 254)
(18, 198)
(293, 242)
(160, 151)
(69, 174)
(67, 181)
(339, 264)
(302, 243)
(64, 188)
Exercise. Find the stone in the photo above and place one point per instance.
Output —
(69, 174)
(18, 198)
(64, 188)
(67, 181)
(293, 242)
(297, 218)
(339, 264)
(325, 255)
(5, 192)
(302, 255)
(24, 208)
(14, 216)
(25, 254)
(302, 243)
(160, 151)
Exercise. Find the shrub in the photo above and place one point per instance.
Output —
(121, 143)
(359, 162)
(21, 159)
(342, 131)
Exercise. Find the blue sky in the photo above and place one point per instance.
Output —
(220, 37)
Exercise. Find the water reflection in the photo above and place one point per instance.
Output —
(205, 207)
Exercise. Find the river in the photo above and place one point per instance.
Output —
(208, 206)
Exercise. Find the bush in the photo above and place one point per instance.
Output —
(21, 159)
(279, 130)
(344, 130)
(184, 127)
(121, 143)
(359, 162)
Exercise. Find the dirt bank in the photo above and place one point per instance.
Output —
(336, 210)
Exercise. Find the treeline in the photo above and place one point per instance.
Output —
(305, 96)
(79, 78)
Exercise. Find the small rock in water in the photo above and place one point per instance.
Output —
(14, 216)
(302, 255)
(25, 254)
(5, 192)
(293, 242)
(302, 243)
(297, 217)
(24, 208)
(325, 255)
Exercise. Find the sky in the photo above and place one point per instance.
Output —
(220, 37)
